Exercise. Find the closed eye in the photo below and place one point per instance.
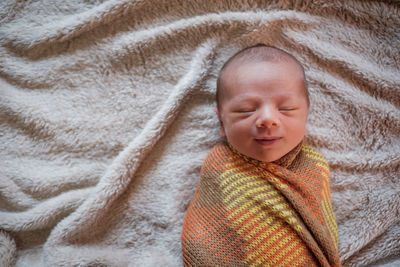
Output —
(287, 109)
(245, 110)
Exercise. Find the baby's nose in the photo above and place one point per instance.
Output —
(267, 119)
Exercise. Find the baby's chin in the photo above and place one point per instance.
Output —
(264, 157)
(268, 155)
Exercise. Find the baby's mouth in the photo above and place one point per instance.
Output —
(267, 140)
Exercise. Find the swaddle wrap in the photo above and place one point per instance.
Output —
(250, 213)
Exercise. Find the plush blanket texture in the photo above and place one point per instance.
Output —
(106, 112)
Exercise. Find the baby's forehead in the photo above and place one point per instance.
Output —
(240, 64)
(242, 75)
(239, 72)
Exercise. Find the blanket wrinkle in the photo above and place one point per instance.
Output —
(220, 21)
(46, 213)
(136, 152)
(106, 114)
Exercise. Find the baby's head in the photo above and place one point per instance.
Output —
(262, 102)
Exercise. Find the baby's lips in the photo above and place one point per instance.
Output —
(270, 138)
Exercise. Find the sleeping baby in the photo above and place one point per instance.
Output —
(263, 197)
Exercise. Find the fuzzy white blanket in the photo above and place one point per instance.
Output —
(107, 113)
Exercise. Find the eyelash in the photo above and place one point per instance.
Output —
(286, 109)
(245, 111)
(252, 110)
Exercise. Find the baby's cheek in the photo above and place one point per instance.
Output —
(242, 126)
(296, 122)
(236, 131)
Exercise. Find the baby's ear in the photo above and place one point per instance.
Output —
(221, 124)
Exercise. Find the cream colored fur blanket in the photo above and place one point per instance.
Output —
(106, 112)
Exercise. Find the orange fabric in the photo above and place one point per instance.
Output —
(250, 213)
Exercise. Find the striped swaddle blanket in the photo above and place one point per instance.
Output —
(251, 213)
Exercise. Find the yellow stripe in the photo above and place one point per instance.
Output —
(327, 209)
(284, 252)
(261, 216)
(253, 210)
(276, 182)
(326, 168)
(317, 158)
(258, 211)
(239, 187)
(292, 219)
(272, 245)
(233, 201)
(278, 251)
(234, 168)
(232, 190)
(331, 222)
(300, 250)
(282, 210)
(233, 180)
(268, 242)
(312, 153)
(267, 216)
(258, 228)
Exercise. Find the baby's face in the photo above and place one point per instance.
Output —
(263, 109)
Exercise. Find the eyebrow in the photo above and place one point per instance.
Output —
(251, 98)
(245, 99)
